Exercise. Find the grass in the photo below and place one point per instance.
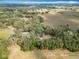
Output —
(4, 34)
(3, 51)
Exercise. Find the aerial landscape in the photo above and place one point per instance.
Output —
(39, 29)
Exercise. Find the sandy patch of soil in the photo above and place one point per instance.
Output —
(75, 21)
(16, 53)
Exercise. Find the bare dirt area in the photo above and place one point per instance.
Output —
(58, 19)
(75, 21)
(16, 53)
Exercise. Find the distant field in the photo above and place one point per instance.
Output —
(61, 19)
(72, 14)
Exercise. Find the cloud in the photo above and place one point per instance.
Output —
(55, 2)
(39, 1)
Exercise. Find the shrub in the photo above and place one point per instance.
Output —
(37, 19)
(3, 51)
(28, 44)
(40, 19)
(10, 21)
(52, 43)
(62, 37)
(71, 42)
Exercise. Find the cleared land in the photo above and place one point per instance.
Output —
(16, 53)
(60, 19)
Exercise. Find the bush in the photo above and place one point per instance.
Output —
(28, 44)
(62, 37)
(53, 43)
(40, 19)
(3, 51)
(71, 42)
(37, 19)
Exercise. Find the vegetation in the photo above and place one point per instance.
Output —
(72, 14)
(27, 32)
(62, 37)
(4, 34)
(3, 51)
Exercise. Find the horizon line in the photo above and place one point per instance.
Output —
(24, 2)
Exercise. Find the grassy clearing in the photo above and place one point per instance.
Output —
(4, 34)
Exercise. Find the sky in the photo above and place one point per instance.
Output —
(39, 1)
